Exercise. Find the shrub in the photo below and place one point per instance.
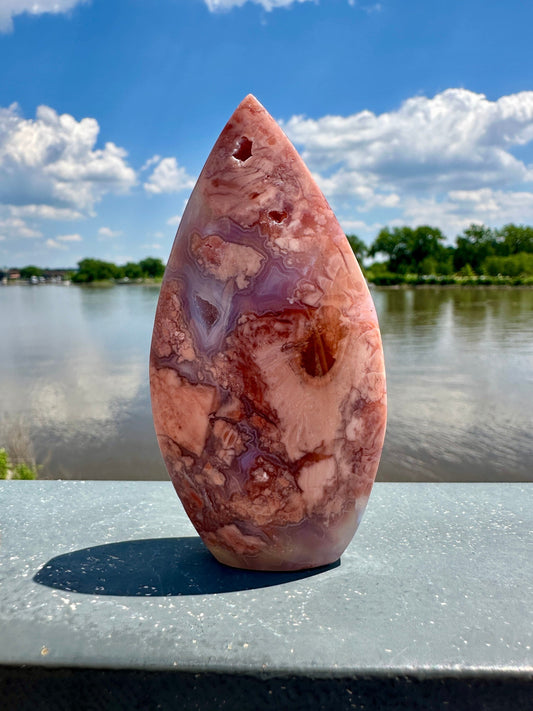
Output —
(19, 471)
(515, 265)
(23, 471)
(3, 464)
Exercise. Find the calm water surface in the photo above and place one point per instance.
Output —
(74, 366)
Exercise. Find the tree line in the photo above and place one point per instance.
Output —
(479, 251)
(90, 270)
(399, 254)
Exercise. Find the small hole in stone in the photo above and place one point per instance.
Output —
(277, 216)
(243, 150)
(208, 312)
(253, 196)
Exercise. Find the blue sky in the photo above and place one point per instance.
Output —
(407, 112)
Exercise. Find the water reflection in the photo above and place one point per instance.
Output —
(74, 363)
(460, 382)
(459, 362)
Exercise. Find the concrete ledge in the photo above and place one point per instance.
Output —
(109, 600)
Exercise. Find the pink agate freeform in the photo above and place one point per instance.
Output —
(266, 369)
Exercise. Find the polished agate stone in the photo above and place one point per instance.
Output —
(266, 368)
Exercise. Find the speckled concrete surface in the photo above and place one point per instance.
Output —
(111, 575)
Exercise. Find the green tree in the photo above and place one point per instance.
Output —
(515, 239)
(445, 263)
(410, 250)
(427, 245)
(476, 243)
(90, 270)
(30, 271)
(132, 270)
(396, 244)
(152, 267)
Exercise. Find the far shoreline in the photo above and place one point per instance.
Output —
(470, 283)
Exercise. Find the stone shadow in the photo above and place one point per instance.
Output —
(155, 567)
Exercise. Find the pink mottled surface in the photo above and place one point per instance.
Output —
(266, 368)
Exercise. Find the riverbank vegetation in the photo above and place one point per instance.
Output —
(480, 255)
(90, 271)
(8, 470)
(96, 270)
(17, 456)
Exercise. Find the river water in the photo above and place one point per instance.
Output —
(73, 370)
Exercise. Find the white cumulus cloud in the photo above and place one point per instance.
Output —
(107, 232)
(459, 208)
(10, 8)
(174, 220)
(51, 163)
(45, 212)
(54, 244)
(70, 238)
(454, 156)
(224, 5)
(168, 177)
(351, 226)
(12, 227)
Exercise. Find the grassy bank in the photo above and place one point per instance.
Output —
(8, 470)
(391, 279)
(106, 283)
(17, 456)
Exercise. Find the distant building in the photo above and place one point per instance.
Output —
(40, 276)
(57, 274)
